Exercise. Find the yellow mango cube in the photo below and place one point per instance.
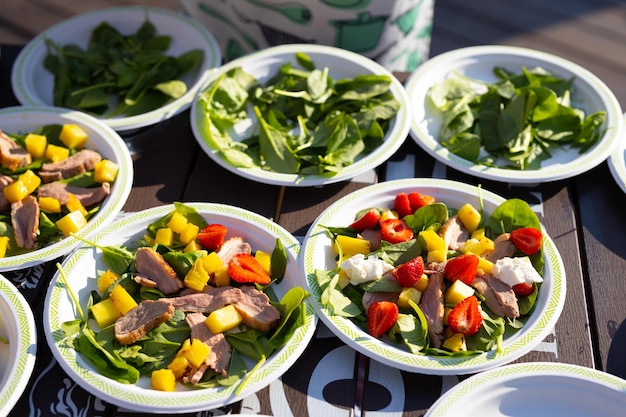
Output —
(179, 366)
(4, 245)
(422, 283)
(73, 136)
(478, 234)
(105, 313)
(190, 233)
(56, 153)
(457, 292)
(192, 246)
(455, 343)
(221, 277)
(106, 279)
(197, 353)
(74, 204)
(485, 265)
(122, 299)
(350, 246)
(469, 216)
(439, 255)
(265, 260)
(71, 223)
(164, 236)
(388, 214)
(197, 277)
(163, 380)
(16, 191)
(432, 240)
(50, 204)
(212, 263)
(105, 171)
(36, 145)
(223, 319)
(409, 294)
(177, 222)
(31, 180)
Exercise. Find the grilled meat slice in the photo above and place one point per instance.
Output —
(503, 248)
(87, 196)
(4, 203)
(206, 302)
(140, 320)
(12, 155)
(232, 247)
(454, 233)
(25, 221)
(82, 161)
(499, 297)
(256, 310)
(151, 266)
(371, 297)
(219, 355)
(432, 307)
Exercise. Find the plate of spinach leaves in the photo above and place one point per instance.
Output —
(301, 115)
(131, 67)
(409, 344)
(512, 114)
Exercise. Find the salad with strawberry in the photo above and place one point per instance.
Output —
(438, 280)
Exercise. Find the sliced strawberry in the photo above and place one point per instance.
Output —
(462, 267)
(244, 268)
(381, 316)
(419, 200)
(524, 288)
(527, 239)
(409, 273)
(465, 317)
(367, 221)
(395, 231)
(402, 205)
(212, 236)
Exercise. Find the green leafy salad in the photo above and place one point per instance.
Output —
(516, 122)
(170, 352)
(133, 69)
(436, 280)
(308, 123)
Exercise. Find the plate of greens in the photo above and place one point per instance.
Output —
(300, 115)
(131, 67)
(417, 291)
(18, 344)
(617, 163)
(557, 389)
(512, 114)
(228, 313)
(57, 152)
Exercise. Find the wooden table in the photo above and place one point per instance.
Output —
(584, 217)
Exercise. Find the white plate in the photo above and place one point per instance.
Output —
(317, 253)
(341, 64)
(33, 84)
(17, 359)
(533, 390)
(617, 163)
(80, 269)
(590, 94)
(103, 139)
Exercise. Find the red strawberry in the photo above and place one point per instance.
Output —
(381, 316)
(244, 268)
(527, 239)
(409, 273)
(212, 236)
(465, 317)
(524, 288)
(367, 221)
(395, 231)
(462, 267)
(419, 200)
(402, 205)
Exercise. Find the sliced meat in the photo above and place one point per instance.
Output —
(431, 304)
(25, 221)
(499, 297)
(373, 236)
(503, 248)
(256, 310)
(12, 155)
(371, 297)
(206, 302)
(4, 203)
(88, 196)
(151, 265)
(140, 320)
(232, 247)
(219, 356)
(82, 161)
(454, 233)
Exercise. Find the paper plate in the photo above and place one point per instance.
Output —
(317, 253)
(102, 139)
(17, 358)
(33, 84)
(617, 163)
(589, 94)
(535, 389)
(80, 268)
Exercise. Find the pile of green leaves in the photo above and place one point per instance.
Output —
(516, 122)
(308, 123)
(131, 71)
(411, 328)
(154, 351)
